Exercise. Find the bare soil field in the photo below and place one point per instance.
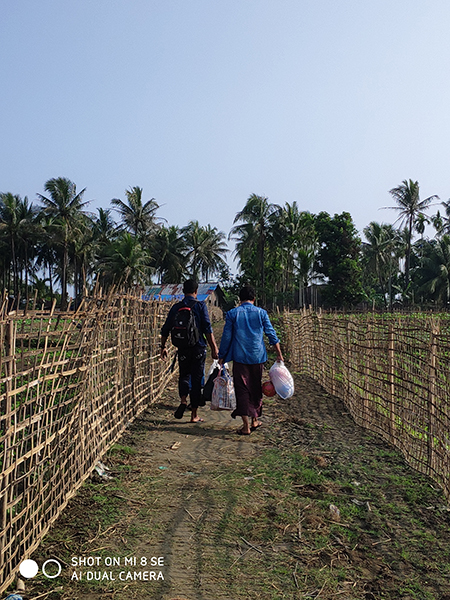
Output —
(196, 512)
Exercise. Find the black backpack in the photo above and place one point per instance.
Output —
(184, 332)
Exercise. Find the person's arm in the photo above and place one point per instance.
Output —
(272, 335)
(225, 342)
(278, 351)
(212, 345)
(164, 354)
(165, 331)
(208, 331)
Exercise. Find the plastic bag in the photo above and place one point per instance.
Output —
(223, 396)
(215, 365)
(282, 380)
(209, 385)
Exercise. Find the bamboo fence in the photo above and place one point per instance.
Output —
(70, 383)
(391, 371)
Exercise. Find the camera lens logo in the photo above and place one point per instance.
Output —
(51, 568)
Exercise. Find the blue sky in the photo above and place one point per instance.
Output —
(204, 102)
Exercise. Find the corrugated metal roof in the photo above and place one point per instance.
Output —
(174, 291)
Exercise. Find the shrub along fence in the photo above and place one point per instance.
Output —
(392, 372)
(69, 385)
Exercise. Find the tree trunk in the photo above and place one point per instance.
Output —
(64, 278)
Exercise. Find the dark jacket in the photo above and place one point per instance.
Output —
(201, 318)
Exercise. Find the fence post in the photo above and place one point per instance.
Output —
(10, 345)
(391, 353)
(434, 332)
(347, 365)
(367, 368)
(319, 355)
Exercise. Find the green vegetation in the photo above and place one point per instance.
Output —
(281, 250)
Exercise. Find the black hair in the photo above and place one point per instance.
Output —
(190, 286)
(247, 293)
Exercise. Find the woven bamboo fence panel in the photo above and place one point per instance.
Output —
(69, 385)
(391, 371)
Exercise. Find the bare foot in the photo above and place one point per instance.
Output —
(243, 432)
(197, 420)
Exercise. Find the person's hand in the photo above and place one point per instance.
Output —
(220, 361)
(214, 353)
(280, 358)
(164, 354)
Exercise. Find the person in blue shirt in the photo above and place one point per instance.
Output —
(191, 360)
(243, 343)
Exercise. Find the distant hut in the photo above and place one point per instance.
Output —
(211, 293)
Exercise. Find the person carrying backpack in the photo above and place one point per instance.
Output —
(189, 327)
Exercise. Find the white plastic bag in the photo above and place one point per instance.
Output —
(282, 380)
(223, 396)
(214, 365)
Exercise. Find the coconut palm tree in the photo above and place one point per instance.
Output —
(381, 253)
(299, 242)
(104, 228)
(169, 250)
(82, 251)
(124, 262)
(255, 222)
(434, 272)
(410, 208)
(66, 206)
(18, 229)
(137, 217)
(29, 232)
(214, 252)
(48, 252)
(206, 249)
(9, 228)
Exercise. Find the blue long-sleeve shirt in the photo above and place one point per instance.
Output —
(243, 335)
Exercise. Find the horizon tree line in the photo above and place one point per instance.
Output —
(281, 250)
(58, 240)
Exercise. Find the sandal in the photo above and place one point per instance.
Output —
(178, 414)
(242, 432)
(253, 427)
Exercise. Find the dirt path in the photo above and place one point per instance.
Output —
(249, 517)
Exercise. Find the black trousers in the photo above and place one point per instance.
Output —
(191, 363)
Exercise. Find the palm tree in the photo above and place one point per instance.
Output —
(104, 228)
(298, 240)
(82, 252)
(410, 208)
(206, 249)
(124, 262)
(286, 238)
(382, 252)
(47, 251)
(442, 222)
(434, 273)
(138, 218)
(214, 252)
(66, 206)
(256, 221)
(9, 225)
(18, 227)
(29, 232)
(170, 254)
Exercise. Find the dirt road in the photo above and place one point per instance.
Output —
(237, 518)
